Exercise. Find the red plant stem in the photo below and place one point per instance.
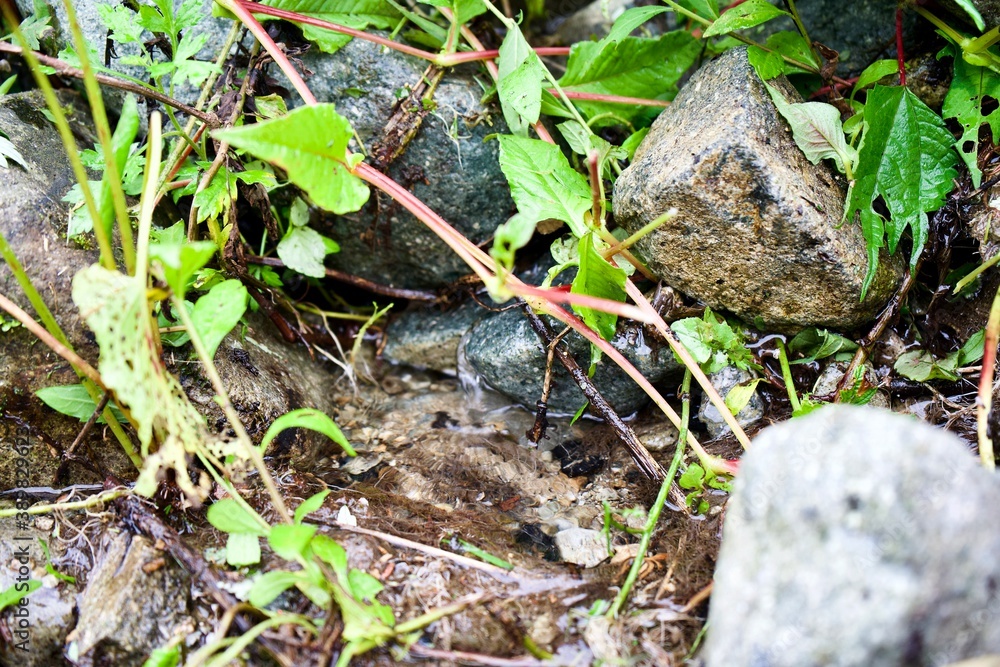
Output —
(490, 54)
(899, 46)
(984, 402)
(239, 8)
(257, 8)
(612, 99)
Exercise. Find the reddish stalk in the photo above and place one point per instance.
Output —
(491, 54)
(984, 402)
(612, 99)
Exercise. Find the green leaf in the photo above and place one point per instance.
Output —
(466, 10)
(519, 83)
(690, 332)
(693, 477)
(921, 366)
(310, 144)
(16, 592)
(767, 64)
(632, 19)
(331, 553)
(633, 141)
(794, 46)
(179, 258)
(740, 395)
(314, 420)
(7, 84)
(164, 656)
(742, 16)
(270, 585)
(310, 505)
(973, 349)
(363, 586)
(817, 131)
(874, 73)
(597, 277)
(906, 158)
(634, 67)
(970, 87)
(230, 517)
(485, 555)
(819, 344)
(36, 27)
(8, 150)
(217, 312)
(75, 401)
(121, 21)
(290, 541)
(973, 12)
(544, 187)
(302, 250)
(242, 549)
(708, 9)
(357, 14)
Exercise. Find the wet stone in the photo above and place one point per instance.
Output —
(724, 381)
(581, 546)
(856, 536)
(506, 353)
(757, 230)
(427, 338)
(447, 165)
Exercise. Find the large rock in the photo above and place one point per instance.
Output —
(758, 226)
(447, 165)
(505, 351)
(857, 537)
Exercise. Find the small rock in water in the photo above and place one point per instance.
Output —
(724, 381)
(428, 338)
(581, 546)
(757, 230)
(507, 354)
(857, 537)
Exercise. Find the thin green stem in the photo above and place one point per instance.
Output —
(97, 111)
(793, 10)
(689, 14)
(645, 230)
(786, 374)
(222, 396)
(148, 202)
(661, 499)
(45, 508)
(964, 282)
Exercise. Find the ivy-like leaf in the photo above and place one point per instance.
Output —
(633, 67)
(597, 277)
(817, 130)
(906, 158)
(310, 144)
(544, 187)
(970, 86)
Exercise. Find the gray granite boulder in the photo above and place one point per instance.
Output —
(758, 228)
(508, 356)
(447, 165)
(857, 537)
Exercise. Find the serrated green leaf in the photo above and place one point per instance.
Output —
(544, 187)
(217, 312)
(310, 144)
(817, 130)
(744, 15)
(633, 67)
(519, 83)
(632, 19)
(970, 87)
(597, 277)
(906, 158)
(74, 400)
(314, 420)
